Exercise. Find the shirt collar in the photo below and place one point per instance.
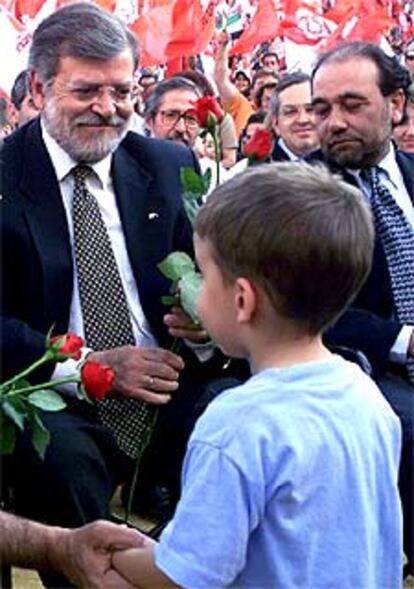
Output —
(388, 165)
(63, 163)
(292, 156)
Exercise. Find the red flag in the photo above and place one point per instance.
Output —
(153, 30)
(363, 21)
(170, 30)
(24, 9)
(185, 25)
(304, 22)
(208, 26)
(264, 27)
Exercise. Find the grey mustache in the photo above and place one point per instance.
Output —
(97, 120)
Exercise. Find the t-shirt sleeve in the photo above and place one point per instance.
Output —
(205, 544)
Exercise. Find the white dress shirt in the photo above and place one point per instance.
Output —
(100, 185)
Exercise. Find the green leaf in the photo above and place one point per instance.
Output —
(47, 400)
(176, 265)
(191, 181)
(13, 412)
(190, 286)
(170, 300)
(8, 434)
(40, 435)
(207, 180)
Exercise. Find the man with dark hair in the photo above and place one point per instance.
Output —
(89, 210)
(270, 61)
(22, 100)
(292, 118)
(358, 96)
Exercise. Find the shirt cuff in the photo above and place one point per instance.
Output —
(67, 369)
(204, 352)
(398, 352)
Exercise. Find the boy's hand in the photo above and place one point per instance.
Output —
(182, 326)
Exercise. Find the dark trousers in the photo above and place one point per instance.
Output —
(400, 395)
(74, 483)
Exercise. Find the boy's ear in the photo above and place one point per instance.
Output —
(245, 298)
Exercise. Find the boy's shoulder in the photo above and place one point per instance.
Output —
(280, 399)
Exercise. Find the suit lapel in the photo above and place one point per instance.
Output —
(46, 219)
(132, 187)
(406, 165)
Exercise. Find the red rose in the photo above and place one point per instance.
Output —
(205, 106)
(66, 346)
(259, 146)
(97, 379)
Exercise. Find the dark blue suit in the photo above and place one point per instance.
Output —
(368, 326)
(37, 263)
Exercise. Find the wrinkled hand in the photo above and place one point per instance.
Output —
(84, 555)
(148, 374)
(182, 326)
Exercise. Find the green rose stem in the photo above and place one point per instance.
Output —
(45, 358)
(37, 387)
(152, 420)
(212, 129)
(150, 428)
(216, 155)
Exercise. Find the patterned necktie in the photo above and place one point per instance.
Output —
(397, 237)
(105, 314)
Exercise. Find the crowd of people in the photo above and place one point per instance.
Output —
(287, 464)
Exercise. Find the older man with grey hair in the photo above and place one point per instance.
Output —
(89, 210)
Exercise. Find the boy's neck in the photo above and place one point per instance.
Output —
(284, 353)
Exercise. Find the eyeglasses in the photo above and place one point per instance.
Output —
(92, 92)
(172, 117)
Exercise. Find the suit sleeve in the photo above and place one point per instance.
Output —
(361, 330)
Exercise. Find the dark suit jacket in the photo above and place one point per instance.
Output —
(279, 154)
(37, 264)
(367, 325)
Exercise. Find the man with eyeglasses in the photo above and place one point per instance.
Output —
(292, 118)
(169, 112)
(89, 209)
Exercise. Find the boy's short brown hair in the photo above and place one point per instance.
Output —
(296, 230)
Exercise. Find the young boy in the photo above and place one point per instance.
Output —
(290, 480)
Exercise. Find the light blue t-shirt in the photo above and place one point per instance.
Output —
(290, 480)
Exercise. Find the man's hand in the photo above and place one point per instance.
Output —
(147, 374)
(182, 326)
(84, 555)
